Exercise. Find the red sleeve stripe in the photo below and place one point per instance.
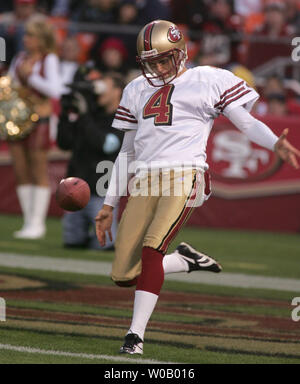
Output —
(231, 89)
(234, 99)
(124, 109)
(228, 91)
(125, 119)
(125, 114)
(228, 97)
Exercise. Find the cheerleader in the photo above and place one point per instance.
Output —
(36, 70)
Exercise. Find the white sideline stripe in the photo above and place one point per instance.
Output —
(239, 280)
(116, 359)
(55, 265)
(102, 268)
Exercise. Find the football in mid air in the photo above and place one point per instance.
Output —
(73, 194)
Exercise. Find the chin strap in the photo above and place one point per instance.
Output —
(154, 80)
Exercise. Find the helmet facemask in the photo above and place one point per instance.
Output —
(148, 63)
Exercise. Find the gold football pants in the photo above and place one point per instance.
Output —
(157, 208)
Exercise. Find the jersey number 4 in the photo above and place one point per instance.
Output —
(159, 106)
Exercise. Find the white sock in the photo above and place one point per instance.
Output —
(144, 304)
(173, 263)
(25, 193)
(41, 200)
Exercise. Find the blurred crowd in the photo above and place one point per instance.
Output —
(223, 33)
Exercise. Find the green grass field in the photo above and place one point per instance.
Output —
(64, 317)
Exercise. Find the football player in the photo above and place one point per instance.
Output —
(167, 114)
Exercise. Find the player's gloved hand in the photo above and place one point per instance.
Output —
(103, 224)
(286, 151)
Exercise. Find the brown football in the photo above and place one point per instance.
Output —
(73, 194)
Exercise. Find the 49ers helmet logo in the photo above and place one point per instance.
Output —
(174, 34)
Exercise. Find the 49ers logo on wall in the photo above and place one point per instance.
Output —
(174, 34)
(241, 169)
(233, 158)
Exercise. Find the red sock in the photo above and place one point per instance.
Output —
(152, 277)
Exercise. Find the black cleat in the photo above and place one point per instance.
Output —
(197, 261)
(132, 344)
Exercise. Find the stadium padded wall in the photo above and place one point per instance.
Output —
(251, 188)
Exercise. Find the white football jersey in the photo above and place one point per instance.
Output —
(173, 122)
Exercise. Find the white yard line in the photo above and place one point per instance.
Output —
(115, 359)
(101, 268)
